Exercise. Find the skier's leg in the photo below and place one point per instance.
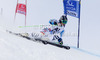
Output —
(60, 41)
(58, 38)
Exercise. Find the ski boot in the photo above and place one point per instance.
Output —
(60, 41)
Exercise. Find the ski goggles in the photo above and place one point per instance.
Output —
(63, 21)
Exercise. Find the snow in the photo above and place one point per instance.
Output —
(39, 13)
(17, 48)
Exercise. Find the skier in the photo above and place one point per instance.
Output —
(56, 28)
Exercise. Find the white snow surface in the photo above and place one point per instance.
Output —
(17, 48)
(39, 12)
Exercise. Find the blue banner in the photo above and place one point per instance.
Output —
(72, 8)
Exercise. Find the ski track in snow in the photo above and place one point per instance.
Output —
(17, 48)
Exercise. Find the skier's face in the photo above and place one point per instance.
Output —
(59, 24)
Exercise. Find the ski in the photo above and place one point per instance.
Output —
(39, 40)
(54, 44)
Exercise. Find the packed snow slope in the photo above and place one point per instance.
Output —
(39, 12)
(17, 48)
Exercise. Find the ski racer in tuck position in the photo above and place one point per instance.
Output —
(56, 29)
